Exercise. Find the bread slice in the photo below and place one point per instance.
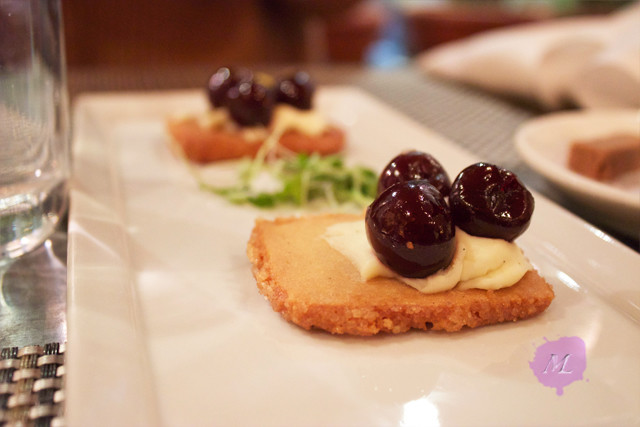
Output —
(203, 144)
(315, 286)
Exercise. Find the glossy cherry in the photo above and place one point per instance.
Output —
(250, 103)
(223, 79)
(410, 229)
(296, 89)
(489, 201)
(414, 165)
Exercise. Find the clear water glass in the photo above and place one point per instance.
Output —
(34, 124)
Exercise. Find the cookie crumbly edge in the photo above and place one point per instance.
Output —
(452, 311)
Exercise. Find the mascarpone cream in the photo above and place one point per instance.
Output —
(479, 262)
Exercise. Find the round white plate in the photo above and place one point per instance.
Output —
(544, 145)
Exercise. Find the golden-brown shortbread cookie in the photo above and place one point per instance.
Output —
(208, 144)
(315, 286)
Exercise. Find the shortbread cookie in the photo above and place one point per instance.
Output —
(208, 144)
(315, 286)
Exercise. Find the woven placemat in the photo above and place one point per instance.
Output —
(32, 385)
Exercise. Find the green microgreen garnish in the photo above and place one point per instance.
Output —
(302, 178)
(276, 176)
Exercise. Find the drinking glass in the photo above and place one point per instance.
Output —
(34, 124)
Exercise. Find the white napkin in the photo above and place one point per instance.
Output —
(589, 61)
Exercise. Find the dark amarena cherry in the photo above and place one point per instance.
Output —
(296, 89)
(410, 229)
(250, 103)
(489, 201)
(222, 80)
(414, 165)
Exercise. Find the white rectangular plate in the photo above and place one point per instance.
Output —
(166, 325)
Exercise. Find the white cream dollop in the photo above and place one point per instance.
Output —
(285, 118)
(490, 263)
(478, 262)
(213, 118)
(308, 122)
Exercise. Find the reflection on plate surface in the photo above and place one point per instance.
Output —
(544, 144)
(166, 323)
